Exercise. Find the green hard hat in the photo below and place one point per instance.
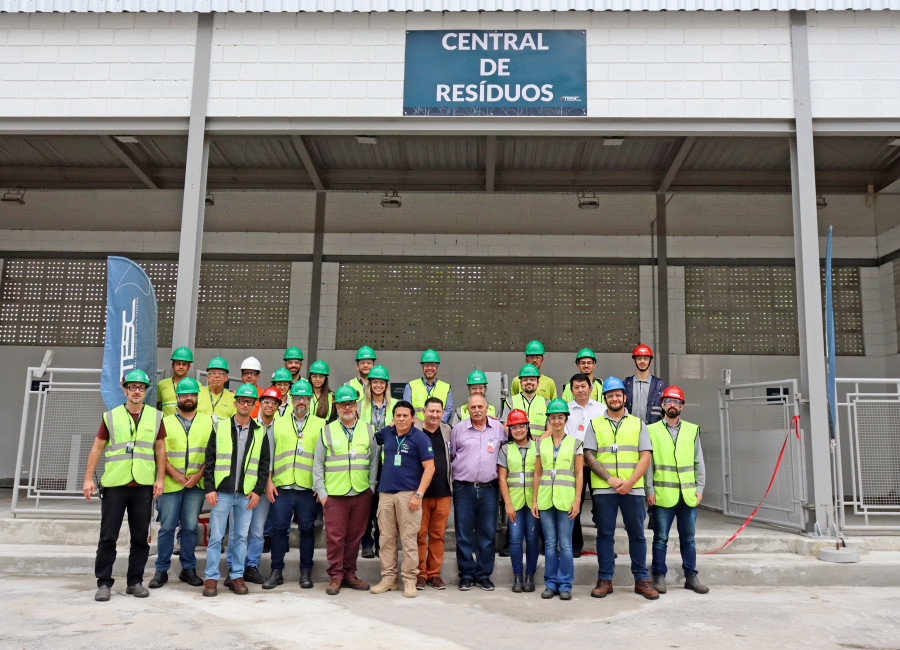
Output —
(183, 354)
(557, 406)
(136, 375)
(187, 386)
(585, 353)
(217, 363)
(346, 394)
(293, 352)
(476, 377)
(379, 372)
(319, 368)
(430, 356)
(529, 370)
(301, 388)
(246, 390)
(365, 352)
(534, 347)
(282, 374)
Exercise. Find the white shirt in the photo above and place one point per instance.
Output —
(579, 416)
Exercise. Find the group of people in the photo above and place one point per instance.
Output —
(384, 472)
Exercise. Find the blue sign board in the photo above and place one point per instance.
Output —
(495, 73)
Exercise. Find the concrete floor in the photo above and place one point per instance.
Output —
(59, 612)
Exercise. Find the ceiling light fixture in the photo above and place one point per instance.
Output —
(613, 141)
(127, 139)
(367, 139)
(391, 200)
(588, 201)
(15, 195)
(894, 142)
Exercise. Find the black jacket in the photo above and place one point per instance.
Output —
(237, 467)
(654, 397)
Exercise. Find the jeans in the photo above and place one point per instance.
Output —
(559, 562)
(257, 531)
(181, 507)
(475, 516)
(235, 505)
(288, 503)
(687, 518)
(524, 528)
(633, 510)
(137, 501)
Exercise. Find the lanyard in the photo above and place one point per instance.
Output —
(400, 445)
(299, 430)
(132, 425)
(428, 390)
(555, 451)
(216, 403)
(378, 415)
(348, 433)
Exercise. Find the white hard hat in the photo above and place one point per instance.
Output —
(251, 363)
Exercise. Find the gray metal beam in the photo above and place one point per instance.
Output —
(490, 162)
(306, 159)
(119, 151)
(675, 164)
(190, 244)
(315, 286)
(888, 177)
(662, 290)
(814, 408)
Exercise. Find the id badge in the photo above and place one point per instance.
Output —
(129, 448)
(552, 474)
(522, 478)
(353, 453)
(397, 460)
(615, 448)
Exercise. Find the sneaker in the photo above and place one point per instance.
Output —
(420, 583)
(138, 591)
(438, 583)
(465, 584)
(486, 584)
(102, 594)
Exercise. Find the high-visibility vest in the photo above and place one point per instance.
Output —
(292, 460)
(626, 438)
(225, 449)
(186, 450)
(346, 463)
(365, 411)
(596, 392)
(519, 478)
(314, 405)
(546, 387)
(673, 464)
(557, 486)
(140, 465)
(222, 406)
(166, 397)
(357, 385)
(536, 410)
(419, 393)
(463, 411)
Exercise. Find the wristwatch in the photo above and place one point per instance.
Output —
(417, 495)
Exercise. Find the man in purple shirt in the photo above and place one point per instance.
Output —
(474, 448)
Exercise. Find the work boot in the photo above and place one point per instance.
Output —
(138, 591)
(368, 552)
(438, 583)
(102, 594)
(504, 551)
(420, 583)
(334, 587)
(528, 587)
(565, 595)
(409, 589)
(518, 585)
(251, 574)
(239, 587)
(267, 544)
(693, 583)
(228, 580)
(659, 583)
(210, 588)
(306, 578)
(548, 593)
(190, 576)
(159, 579)
(383, 586)
(275, 578)
(645, 589)
(354, 583)
(603, 587)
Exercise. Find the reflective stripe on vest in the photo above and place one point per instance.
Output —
(673, 464)
(292, 462)
(463, 412)
(419, 393)
(346, 471)
(165, 395)
(627, 437)
(536, 411)
(520, 491)
(122, 468)
(557, 486)
(186, 451)
(222, 406)
(225, 450)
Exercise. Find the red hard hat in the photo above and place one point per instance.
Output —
(673, 392)
(517, 416)
(272, 392)
(642, 351)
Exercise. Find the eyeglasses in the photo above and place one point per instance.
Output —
(216, 373)
(245, 401)
(136, 388)
(670, 400)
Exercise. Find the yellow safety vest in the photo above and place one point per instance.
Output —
(673, 464)
(314, 405)
(596, 392)
(625, 440)
(222, 406)
(166, 397)
(546, 387)
(186, 450)
(519, 478)
(346, 462)
(292, 460)
(557, 486)
(357, 385)
(419, 393)
(365, 411)
(122, 467)
(536, 411)
(225, 449)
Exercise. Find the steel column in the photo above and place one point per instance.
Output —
(315, 283)
(662, 291)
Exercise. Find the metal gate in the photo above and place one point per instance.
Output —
(754, 422)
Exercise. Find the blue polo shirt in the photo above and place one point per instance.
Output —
(414, 448)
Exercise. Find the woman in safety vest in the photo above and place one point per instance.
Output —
(322, 403)
(515, 468)
(556, 499)
(376, 407)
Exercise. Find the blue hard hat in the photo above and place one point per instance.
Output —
(612, 383)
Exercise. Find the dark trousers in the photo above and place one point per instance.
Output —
(475, 516)
(137, 501)
(370, 537)
(686, 516)
(345, 522)
(290, 503)
(606, 507)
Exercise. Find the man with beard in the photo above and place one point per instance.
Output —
(643, 391)
(293, 361)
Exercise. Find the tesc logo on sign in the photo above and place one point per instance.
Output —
(127, 359)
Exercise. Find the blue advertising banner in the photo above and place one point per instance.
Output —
(130, 329)
(830, 346)
(495, 73)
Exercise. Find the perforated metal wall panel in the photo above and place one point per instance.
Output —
(753, 310)
(243, 304)
(490, 307)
